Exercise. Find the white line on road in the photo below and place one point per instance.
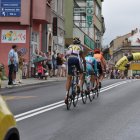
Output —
(41, 110)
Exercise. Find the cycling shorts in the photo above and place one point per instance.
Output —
(99, 67)
(74, 61)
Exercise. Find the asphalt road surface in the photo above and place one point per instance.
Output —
(41, 113)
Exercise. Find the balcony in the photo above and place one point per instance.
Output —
(42, 11)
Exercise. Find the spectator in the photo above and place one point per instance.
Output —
(59, 64)
(12, 61)
(40, 70)
(25, 69)
(49, 63)
(54, 62)
(63, 66)
(45, 72)
(20, 67)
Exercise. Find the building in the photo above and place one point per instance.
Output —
(124, 46)
(57, 27)
(83, 19)
(22, 23)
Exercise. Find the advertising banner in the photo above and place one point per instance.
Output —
(13, 36)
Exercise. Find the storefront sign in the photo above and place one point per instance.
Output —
(79, 10)
(10, 8)
(13, 36)
(89, 42)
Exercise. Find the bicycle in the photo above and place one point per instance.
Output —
(97, 91)
(84, 94)
(73, 95)
(89, 92)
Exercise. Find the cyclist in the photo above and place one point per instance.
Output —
(101, 64)
(91, 68)
(75, 58)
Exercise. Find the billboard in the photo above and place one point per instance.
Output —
(13, 36)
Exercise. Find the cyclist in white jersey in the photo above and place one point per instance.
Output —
(75, 58)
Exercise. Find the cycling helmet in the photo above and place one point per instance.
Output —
(97, 50)
(90, 53)
(76, 40)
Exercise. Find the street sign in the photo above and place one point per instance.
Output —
(10, 8)
(89, 13)
(79, 10)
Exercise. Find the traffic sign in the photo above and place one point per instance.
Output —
(10, 8)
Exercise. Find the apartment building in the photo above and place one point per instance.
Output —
(21, 23)
(83, 19)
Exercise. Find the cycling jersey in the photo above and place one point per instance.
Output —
(74, 58)
(98, 57)
(91, 65)
(100, 62)
(75, 50)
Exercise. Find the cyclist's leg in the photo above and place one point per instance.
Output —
(81, 77)
(69, 77)
(68, 83)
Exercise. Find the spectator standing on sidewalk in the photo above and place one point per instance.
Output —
(64, 69)
(11, 64)
(49, 63)
(54, 62)
(24, 69)
(59, 64)
(20, 67)
(16, 63)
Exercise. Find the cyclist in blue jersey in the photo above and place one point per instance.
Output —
(91, 68)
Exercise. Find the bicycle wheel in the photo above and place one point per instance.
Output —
(69, 101)
(75, 96)
(91, 95)
(98, 91)
(84, 94)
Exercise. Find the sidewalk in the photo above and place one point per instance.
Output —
(31, 81)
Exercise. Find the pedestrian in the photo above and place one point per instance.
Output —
(12, 61)
(64, 69)
(54, 62)
(20, 67)
(59, 64)
(24, 69)
(40, 70)
(45, 70)
(49, 63)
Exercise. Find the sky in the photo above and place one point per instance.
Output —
(121, 16)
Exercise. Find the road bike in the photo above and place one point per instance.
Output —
(73, 92)
(88, 89)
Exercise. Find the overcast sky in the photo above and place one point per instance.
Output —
(121, 16)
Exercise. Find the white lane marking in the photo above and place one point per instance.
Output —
(38, 109)
(47, 108)
(41, 108)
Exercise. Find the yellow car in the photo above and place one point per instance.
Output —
(8, 130)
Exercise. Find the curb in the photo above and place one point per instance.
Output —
(7, 90)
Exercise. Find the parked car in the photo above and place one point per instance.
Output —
(8, 129)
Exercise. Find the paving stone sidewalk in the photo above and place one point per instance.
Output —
(31, 81)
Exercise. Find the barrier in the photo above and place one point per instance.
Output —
(124, 60)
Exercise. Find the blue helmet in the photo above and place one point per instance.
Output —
(90, 53)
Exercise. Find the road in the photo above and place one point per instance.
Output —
(42, 115)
